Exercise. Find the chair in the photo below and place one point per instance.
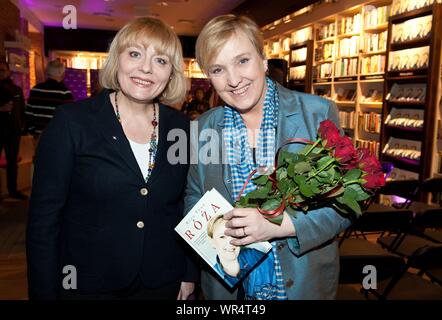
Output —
(426, 226)
(410, 286)
(356, 253)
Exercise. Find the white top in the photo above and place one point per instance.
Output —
(141, 153)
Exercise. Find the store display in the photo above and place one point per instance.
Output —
(407, 118)
(413, 29)
(402, 6)
(297, 73)
(301, 35)
(402, 148)
(373, 95)
(299, 55)
(416, 58)
(415, 92)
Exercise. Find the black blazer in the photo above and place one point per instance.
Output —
(88, 205)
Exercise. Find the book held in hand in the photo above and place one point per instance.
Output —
(203, 229)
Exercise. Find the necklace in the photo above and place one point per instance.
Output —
(153, 144)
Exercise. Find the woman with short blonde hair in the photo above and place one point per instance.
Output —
(151, 32)
(106, 197)
(258, 117)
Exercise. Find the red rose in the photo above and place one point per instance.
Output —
(344, 151)
(329, 133)
(374, 180)
(368, 162)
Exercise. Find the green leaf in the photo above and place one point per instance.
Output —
(306, 190)
(261, 180)
(291, 170)
(276, 220)
(283, 186)
(334, 193)
(281, 173)
(361, 195)
(352, 174)
(323, 162)
(302, 167)
(271, 204)
(315, 186)
(299, 180)
(260, 193)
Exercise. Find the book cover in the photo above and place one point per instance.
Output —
(203, 229)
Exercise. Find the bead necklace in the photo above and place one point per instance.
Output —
(153, 145)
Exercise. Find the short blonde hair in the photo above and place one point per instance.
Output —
(213, 222)
(147, 31)
(218, 31)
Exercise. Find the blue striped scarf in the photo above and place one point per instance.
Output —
(239, 157)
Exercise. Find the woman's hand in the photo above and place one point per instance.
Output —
(186, 290)
(247, 226)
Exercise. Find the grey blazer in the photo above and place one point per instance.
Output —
(310, 260)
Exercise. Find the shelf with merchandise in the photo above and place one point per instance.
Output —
(397, 18)
(297, 63)
(373, 53)
(379, 27)
(412, 86)
(411, 43)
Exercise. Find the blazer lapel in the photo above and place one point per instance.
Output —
(114, 134)
(227, 176)
(289, 107)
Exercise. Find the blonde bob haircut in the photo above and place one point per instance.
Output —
(146, 32)
(213, 222)
(218, 31)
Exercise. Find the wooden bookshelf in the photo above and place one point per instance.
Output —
(427, 78)
(372, 81)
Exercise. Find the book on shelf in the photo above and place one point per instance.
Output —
(349, 47)
(373, 95)
(297, 73)
(346, 67)
(373, 64)
(326, 31)
(203, 229)
(413, 29)
(345, 94)
(403, 6)
(415, 58)
(301, 35)
(407, 118)
(401, 174)
(371, 145)
(403, 148)
(299, 55)
(347, 119)
(374, 42)
(350, 25)
(375, 16)
(413, 93)
(371, 122)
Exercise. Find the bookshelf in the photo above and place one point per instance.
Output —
(297, 49)
(412, 89)
(353, 46)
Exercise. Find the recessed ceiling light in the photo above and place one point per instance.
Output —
(162, 3)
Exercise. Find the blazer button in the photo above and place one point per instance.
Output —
(140, 224)
(144, 191)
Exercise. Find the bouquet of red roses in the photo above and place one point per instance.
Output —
(326, 172)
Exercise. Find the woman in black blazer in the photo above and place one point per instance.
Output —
(106, 195)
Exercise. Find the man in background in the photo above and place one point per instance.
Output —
(12, 106)
(45, 97)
